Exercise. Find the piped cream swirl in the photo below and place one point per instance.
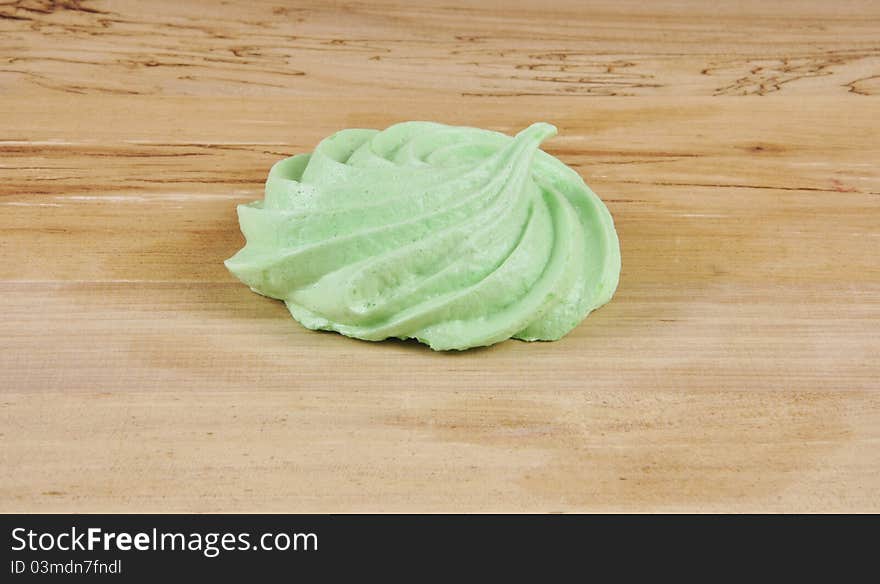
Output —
(455, 236)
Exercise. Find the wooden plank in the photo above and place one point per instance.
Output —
(349, 449)
(705, 189)
(735, 370)
(130, 335)
(569, 48)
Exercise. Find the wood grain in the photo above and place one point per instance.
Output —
(735, 370)
(319, 48)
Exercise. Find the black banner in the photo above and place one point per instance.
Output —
(131, 547)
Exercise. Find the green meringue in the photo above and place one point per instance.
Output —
(455, 236)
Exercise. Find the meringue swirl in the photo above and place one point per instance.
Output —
(455, 236)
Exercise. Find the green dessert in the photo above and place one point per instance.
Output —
(455, 236)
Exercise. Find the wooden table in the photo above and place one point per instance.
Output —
(737, 368)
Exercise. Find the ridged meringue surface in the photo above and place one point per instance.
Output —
(455, 236)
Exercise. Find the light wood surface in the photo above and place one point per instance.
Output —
(737, 368)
